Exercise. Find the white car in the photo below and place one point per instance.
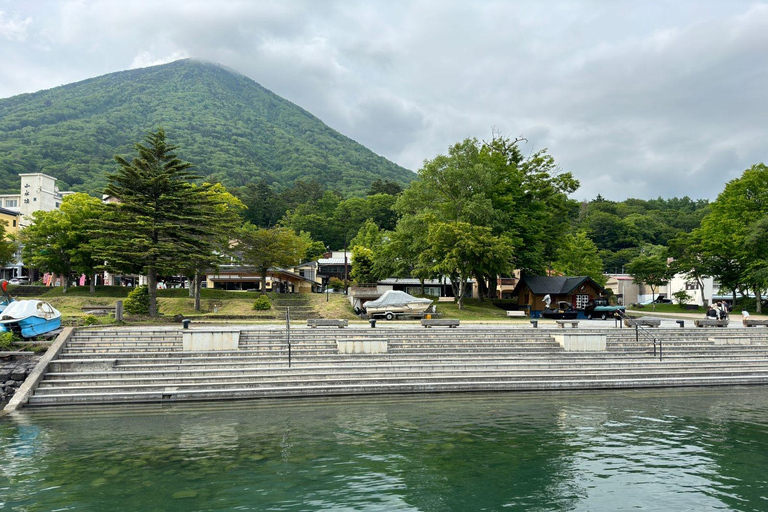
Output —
(19, 280)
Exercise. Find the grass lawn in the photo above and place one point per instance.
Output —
(234, 305)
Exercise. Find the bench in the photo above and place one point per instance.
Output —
(748, 322)
(642, 322)
(515, 314)
(446, 299)
(326, 322)
(440, 322)
(691, 306)
(99, 310)
(710, 322)
(561, 323)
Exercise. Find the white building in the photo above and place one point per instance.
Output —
(692, 288)
(38, 192)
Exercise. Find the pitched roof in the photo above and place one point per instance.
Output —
(554, 285)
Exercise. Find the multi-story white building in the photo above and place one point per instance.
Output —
(38, 191)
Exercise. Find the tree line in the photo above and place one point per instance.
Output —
(478, 212)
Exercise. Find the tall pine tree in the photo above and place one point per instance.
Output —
(159, 219)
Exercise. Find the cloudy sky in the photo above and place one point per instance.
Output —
(636, 99)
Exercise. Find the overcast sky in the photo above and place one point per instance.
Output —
(636, 99)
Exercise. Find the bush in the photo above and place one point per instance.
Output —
(90, 320)
(681, 297)
(137, 302)
(336, 283)
(6, 339)
(262, 303)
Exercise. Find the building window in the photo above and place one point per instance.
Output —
(14, 222)
(691, 285)
(581, 301)
(11, 203)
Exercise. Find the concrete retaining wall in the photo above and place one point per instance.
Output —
(581, 342)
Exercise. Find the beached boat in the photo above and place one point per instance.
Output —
(396, 303)
(563, 311)
(29, 318)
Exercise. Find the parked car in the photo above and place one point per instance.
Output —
(600, 308)
(19, 280)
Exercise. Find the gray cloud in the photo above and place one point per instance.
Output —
(635, 99)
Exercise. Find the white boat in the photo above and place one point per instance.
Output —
(29, 318)
(394, 303)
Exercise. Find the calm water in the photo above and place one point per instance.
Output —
(697, 450)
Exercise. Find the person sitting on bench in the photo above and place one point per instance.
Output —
(712, 313)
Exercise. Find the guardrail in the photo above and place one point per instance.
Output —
(647, 334)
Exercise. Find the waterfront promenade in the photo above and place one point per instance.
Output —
(162, 364)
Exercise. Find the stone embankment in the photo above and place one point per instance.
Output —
(14, 370)
(159, 365)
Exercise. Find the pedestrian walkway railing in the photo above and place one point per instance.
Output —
(645, 333)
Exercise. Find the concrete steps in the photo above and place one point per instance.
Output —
(150, 365)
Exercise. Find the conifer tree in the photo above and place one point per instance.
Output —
(160, 219)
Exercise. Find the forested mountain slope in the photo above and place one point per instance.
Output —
(230, 127)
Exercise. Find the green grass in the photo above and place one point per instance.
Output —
(473, 310)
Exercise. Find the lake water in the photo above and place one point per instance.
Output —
(658, 450)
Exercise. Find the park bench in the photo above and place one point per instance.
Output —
(440, 322)
(754, 323)
(642, 322)
(515, 314)
(99, 310)
(691, 306)
(561, 323)
(710, 322)
(446, 299)
(326, 322)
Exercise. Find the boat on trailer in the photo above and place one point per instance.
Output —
(30, 318)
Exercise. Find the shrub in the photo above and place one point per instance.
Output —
(90, 320)
(6, 339)
(262, 303)
(137, 302)
(336, 283)
(681, 297)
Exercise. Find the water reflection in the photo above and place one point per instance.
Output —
(657, 450)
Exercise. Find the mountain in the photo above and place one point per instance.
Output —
(232, 129)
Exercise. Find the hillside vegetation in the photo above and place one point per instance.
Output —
(233, 130)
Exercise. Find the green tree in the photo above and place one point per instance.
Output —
(60, 241)
(578, 256)
(363, 268)
(159, 218)
(8, 246)
(266, 248)
(47, 244)
(492, 185)
(652, 270)
(461, 250)
(208, 254)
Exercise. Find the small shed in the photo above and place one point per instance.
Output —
(577, 291)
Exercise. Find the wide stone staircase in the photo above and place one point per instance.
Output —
(149, 364)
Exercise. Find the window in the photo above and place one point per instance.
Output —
(11, 203)
(691, 285)
(581, 301)
(14, 222)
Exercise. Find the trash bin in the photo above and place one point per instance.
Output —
(372, 321)
(185, 323)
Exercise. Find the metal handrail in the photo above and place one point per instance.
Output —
(288, 332)
(646, 333)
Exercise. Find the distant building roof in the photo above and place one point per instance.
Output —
(554, 285)
(333, 261)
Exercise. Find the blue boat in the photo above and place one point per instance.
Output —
(29, 318)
